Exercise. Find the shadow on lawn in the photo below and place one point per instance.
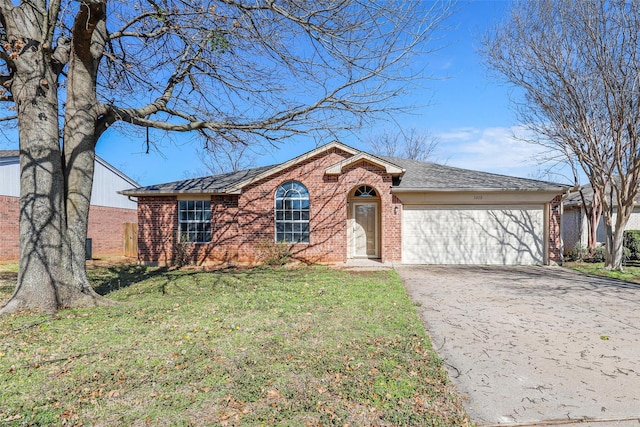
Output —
(118, 277)
(109, 279)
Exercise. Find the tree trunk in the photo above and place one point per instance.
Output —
(55, 191)
(89, 37)
(614, 250)
(615, 236)
(43, 267)
(593, 220)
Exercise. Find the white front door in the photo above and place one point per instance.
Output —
(365, 230)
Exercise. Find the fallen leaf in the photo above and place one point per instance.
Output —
(273, 394)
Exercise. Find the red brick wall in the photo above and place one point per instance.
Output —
(555, 238)
(9, 215)
(242, 225)
(105, 228)
(157, 228)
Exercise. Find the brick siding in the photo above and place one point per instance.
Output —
(9, 233)
(243, 225)
(157, 229)
(555, 237)
(105, 229)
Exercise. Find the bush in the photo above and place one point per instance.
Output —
(274, 254)
(630, 250)
(631, 241)
(597, 256)
(578, 253)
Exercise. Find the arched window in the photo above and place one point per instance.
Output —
(292, 213)
(365, 191)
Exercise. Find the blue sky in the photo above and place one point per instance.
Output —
(468, 112)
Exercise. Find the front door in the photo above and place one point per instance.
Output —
(365, 230)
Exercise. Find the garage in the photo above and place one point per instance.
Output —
(458, 234)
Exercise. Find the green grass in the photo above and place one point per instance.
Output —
(8, 275)
(288, 347)
(630, 273)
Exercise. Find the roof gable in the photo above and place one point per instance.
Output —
(13, 156)
(389, 167)
(237, 188)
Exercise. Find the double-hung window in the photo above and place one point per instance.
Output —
(292, 213)
(194, 221)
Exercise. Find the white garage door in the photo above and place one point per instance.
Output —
(473, 235)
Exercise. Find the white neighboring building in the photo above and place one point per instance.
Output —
(108, 213)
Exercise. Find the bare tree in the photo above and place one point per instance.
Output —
(234, 71)
(578, 65)
(227, 158)
(404, 144)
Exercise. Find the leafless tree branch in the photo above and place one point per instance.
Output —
(577, 64)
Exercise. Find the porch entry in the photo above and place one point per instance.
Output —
(365, 222)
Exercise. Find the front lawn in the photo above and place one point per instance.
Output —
(305, 346)
(630, 273)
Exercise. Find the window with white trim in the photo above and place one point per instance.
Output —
(194, 221)
(365, 191)
(292, 213)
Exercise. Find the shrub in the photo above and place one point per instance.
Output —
(631, 241)
(182, 253)
(271, 253)
(598, 255)
(578, 253)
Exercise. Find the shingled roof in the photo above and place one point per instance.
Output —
(217, 184)
(574, 199)
(9, 153)
(427, 176)
(415, 176)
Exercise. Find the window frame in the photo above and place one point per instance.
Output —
(198, 225)
(292, 213)
(365, 192)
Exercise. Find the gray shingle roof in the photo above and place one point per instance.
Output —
(435, 177)
(423, 176)
(574, 198)
(9, 153)
(217, 184)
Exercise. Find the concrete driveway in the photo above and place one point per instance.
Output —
(534, 345)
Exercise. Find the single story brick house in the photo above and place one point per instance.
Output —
(108, 213)
(335, 203)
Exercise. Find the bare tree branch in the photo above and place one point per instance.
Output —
(404, 144)
(578, 66)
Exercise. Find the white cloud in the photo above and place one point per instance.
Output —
(498, 150)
